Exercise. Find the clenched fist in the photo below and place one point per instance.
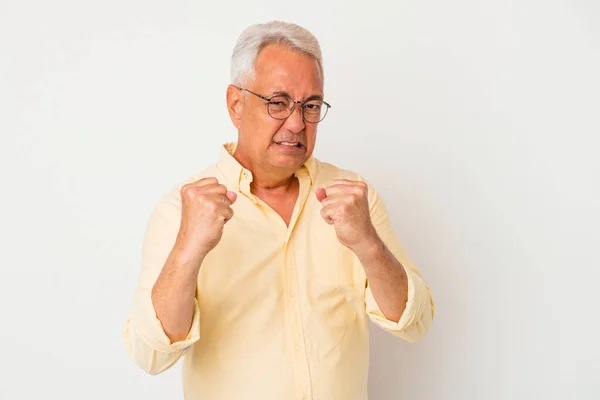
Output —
(205, 208)
(346, 207)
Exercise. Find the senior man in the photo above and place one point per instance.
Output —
(263, 270)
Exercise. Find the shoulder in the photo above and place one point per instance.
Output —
(327, 172)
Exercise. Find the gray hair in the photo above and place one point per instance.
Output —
(254, 38)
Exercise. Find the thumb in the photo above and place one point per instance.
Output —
(231, 196)
(321, 194)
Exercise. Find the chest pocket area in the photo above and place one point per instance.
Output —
(331, 263)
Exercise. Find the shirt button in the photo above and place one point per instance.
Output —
(293, 294)
(298, 348)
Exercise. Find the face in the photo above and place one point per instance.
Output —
(265, 143)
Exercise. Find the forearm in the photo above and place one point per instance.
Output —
(174, 292)
(387, 278)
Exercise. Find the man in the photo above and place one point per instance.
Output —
(262, 269)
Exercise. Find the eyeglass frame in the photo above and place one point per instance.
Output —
(293, 103)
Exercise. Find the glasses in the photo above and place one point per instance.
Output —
(282, 106)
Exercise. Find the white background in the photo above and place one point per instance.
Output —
(478, 121)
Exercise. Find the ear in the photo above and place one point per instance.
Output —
(235, 104)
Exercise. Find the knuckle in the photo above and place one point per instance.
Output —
(187, 192)
(200, 199)
(350, 200)
(211, 206)
(210, 179)
(222, 188)
(359, 189)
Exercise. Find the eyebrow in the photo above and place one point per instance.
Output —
(314, 97)
(283, 93)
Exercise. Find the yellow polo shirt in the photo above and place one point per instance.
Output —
(281, 312)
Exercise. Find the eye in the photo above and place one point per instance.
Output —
(279, 102)
(313, 107)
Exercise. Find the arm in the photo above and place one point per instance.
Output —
(396, 297)
(174, 293)
(145, 338)
(184, 227)
(387, 277)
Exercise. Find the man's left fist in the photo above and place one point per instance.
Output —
(346, 207)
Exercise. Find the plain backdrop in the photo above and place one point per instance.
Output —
(478, 122)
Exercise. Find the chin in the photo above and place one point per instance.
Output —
(288, 162)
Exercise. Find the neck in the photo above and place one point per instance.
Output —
(272, 184)
(266, 178)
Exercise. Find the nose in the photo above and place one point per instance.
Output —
(295, 122)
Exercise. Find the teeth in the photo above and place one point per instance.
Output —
(294, 144)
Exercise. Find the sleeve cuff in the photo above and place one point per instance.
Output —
(417, 299)
(150, 329)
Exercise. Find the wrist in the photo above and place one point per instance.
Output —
(369, 247)
(188, 258)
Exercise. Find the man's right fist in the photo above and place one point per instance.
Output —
(205, 208)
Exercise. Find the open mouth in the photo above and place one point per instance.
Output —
(290, 144)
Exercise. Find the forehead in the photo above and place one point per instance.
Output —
(280, 68)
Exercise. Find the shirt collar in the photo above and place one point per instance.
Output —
(237, 174)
